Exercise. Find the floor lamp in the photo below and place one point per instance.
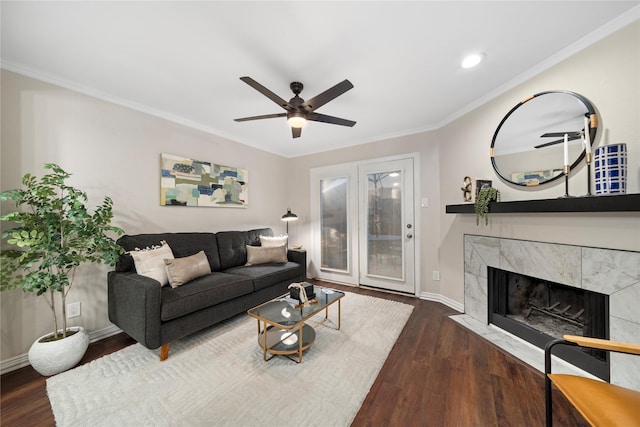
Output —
(288, 217)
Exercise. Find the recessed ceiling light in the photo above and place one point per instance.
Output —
(472, 60)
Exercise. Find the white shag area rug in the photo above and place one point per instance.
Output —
(218, 376)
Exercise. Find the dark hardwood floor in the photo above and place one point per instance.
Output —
(437, 374)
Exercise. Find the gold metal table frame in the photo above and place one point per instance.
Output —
(281, 326)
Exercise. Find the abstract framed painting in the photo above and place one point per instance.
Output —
(190, 182)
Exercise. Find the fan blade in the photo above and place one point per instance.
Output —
(558, 141)
(573, 134)
(330, 119)
(328, 95)
(266, 92)
(296, 132)
(266, 116)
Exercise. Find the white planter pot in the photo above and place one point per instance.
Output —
(50, 358)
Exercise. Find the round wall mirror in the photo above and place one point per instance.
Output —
(528, 146)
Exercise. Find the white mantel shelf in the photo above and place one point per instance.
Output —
(619, 203)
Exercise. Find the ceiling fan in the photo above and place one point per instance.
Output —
(571, 136)
(299, 111)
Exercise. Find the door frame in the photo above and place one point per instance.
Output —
(351, 171)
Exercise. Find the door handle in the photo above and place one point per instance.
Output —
(409, 236)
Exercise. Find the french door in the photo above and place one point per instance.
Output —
(363, 224)
(387, 225)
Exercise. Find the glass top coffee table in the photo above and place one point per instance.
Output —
(281, 327)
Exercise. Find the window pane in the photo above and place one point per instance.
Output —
(333, 217)
(384, 228)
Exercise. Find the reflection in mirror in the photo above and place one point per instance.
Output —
(528, 146)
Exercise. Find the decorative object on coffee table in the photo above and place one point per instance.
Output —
(611, 169)
(302, 291)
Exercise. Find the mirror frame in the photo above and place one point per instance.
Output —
(593, 128)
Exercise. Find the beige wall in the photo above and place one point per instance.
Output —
(112, 150)
(115, 151)
(608, 74)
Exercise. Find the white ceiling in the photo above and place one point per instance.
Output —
(182, 60)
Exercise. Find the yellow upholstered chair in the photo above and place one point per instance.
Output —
(600, 403)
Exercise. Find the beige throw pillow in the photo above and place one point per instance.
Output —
(261, 255)
(183, 270)
(272, 241)
(150, 262)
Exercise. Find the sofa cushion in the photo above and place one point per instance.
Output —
(182, 245)
(184, 270)
(265, 275)
(271, 241)
(232, 246)
(260, 255)
(150, 261)
(201, 293)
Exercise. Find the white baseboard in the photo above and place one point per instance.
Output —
(443, 300)
(107, 332)
(22, 360)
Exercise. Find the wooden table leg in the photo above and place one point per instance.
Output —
(164, 351)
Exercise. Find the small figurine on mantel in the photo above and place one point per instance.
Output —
(466, 189)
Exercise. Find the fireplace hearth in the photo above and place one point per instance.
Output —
(538, 311)
(610, 272)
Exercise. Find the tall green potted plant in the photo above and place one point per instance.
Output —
(54, 233)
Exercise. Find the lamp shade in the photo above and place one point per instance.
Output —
(289, 216)
(296, 119)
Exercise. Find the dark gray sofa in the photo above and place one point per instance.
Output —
(155, 316)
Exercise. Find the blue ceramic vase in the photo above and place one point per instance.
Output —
(610, 162)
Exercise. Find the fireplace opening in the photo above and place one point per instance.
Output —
(538, 311)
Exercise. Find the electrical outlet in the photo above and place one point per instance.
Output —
(73, 310)
(436, 275)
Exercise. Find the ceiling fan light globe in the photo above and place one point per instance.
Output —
(297, 121)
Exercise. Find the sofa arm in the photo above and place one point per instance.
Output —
(299, 256)
(134, 306)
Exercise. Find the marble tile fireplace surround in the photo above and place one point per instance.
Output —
(615, 273)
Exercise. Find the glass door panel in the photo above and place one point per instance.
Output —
(384, 224)
(333, 224)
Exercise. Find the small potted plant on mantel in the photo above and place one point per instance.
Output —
(481, 205)
(54, 233)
